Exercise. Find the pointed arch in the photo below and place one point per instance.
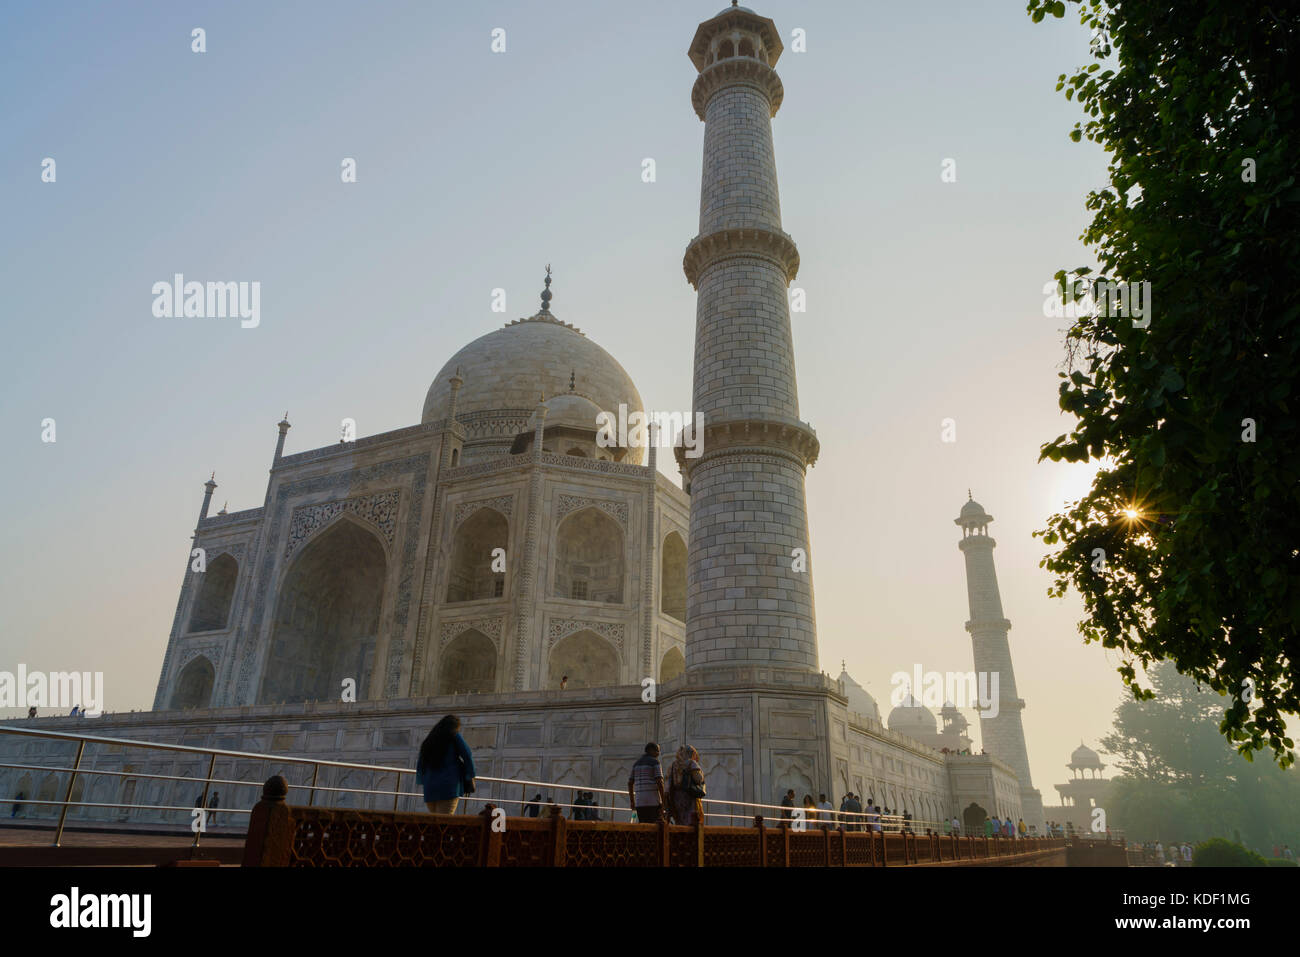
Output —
(586, 658)
(468, 664)
(49, 792)
(22, 794)
(673, 665)
(469, 573)
(589, 562)
(672, 577)
(194, 685)
(216, 591)
(326, 621)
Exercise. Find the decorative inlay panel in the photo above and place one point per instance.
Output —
(487, 626)
(563, 627)
(209, 650)
(503, 504)
(380, 510)
(571, 503)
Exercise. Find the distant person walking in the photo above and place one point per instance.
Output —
(18, 803)
(445, 767)
(854, 807)
(686, 786)
(213, 802)
(809, 810)
(645, 786)
(534, 808)
(826, 812)
(1020, 827)
(787, 805)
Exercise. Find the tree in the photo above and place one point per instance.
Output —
(1186, 546)
(1172, 738)
(1178, 777)
(1218, 852)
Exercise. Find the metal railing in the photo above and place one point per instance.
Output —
(734, 812)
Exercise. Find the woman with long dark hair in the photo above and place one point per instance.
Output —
(445, 767)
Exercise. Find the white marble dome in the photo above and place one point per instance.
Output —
(530, 360)
(859, 699)
(911, 717)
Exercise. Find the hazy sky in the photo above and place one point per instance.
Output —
(476, 169)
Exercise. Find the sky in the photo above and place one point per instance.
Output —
(474, 170)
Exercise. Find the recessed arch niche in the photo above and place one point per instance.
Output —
(326, 622)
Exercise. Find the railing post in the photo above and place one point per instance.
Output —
(315, 773)
(63, 814)
(270, 829)
(665, 853)
(207, 785)
(397, 790)
(699, 840)
(844, 848)
(762, 840)
(490, 855)
(559, 831)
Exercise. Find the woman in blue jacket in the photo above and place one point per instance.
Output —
(445, 768)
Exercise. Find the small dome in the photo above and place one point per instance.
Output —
(573, 411)
(911, 717)
(972, 514)
(1084, 757)
(860, 700)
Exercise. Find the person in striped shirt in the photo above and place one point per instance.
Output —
(645, 786)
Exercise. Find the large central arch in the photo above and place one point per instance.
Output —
(327, 617)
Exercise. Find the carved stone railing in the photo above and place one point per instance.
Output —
(281, 835)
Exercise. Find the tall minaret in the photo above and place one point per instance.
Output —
(749, 593)
(1002, 736)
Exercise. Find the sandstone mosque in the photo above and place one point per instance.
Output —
(473, 562)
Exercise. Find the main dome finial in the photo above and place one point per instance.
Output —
(546, 293)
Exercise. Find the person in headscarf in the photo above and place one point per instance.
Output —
(686, 786)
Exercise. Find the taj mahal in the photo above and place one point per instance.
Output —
(566, 599)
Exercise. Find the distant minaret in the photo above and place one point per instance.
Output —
(1002, 736)
(749, 584)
